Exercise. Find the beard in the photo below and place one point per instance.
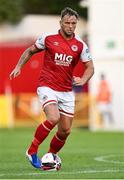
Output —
(68, 33)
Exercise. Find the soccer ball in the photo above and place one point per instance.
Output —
(51, 162)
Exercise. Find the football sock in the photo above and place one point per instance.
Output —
(57, 143)
(41, 133)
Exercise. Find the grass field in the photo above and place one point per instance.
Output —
(87, 155)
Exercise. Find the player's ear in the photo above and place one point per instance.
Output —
(60, 22)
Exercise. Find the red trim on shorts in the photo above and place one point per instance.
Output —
(66, 112)
(47, 102)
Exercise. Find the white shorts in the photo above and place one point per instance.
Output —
(64, 100)
(104, 107)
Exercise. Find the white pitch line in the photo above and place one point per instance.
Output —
(105, 159)
(64, 173)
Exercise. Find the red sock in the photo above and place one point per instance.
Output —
(57, 143)
(41, 133)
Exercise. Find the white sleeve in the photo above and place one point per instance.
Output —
(85, 54)
(40, 42)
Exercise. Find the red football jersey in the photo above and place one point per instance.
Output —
(60, 58)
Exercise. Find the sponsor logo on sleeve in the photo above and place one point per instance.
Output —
(87, 50)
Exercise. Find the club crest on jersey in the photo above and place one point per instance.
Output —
(74, 48)
(63, 59)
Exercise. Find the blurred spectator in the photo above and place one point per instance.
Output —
(104, 100)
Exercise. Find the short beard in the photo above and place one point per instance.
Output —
(67, 35)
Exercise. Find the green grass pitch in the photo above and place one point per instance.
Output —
(86, 155)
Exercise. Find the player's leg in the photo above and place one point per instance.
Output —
(49, 104)
(64, 129)
(110, 114)
(66, 108)
(42, 132)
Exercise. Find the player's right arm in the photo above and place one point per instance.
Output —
(25, 57)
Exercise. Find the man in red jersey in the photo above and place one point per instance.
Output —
(63, 50)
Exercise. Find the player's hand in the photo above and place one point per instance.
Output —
(77, 81)
(16, 72)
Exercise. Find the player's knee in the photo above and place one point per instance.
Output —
(67, 132)
(54, 118)
(64, 133)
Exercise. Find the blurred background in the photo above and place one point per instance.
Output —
(100, 103)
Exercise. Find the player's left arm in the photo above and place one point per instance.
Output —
(86, 58)
(88, 73)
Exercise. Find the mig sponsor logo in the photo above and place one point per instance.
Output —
(63, 59)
